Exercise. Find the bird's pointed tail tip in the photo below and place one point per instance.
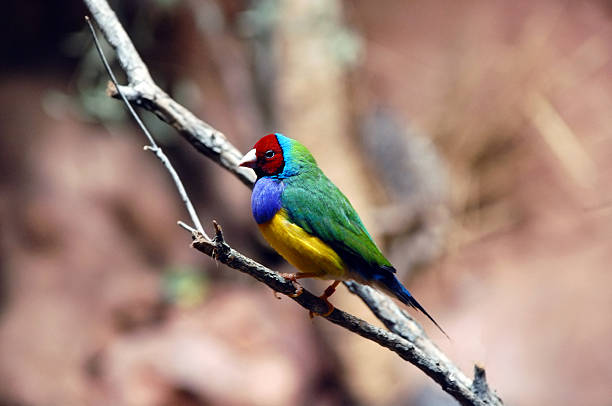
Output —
(417, 305)
(396, 287)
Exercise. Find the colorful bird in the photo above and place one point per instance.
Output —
(311, 224)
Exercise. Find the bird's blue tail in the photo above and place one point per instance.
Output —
(393, 285)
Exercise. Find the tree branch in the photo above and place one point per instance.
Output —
(142, 91)
(406, 338)
(420, 352)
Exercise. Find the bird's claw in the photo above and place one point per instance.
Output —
(325, 296)
(289, 276)
(330, 310)
(298, 291)
(293, 279)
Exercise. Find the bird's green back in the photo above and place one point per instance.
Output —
(314, 203)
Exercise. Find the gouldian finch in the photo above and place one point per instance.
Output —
(311, 224)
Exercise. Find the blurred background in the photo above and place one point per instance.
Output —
(473, 137)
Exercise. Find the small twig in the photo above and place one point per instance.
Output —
(153, 147)
(221, 248)
(186, 226)
(481, 387)
(218, 233)
(114, 79)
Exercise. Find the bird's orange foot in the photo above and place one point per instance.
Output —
(325, 296)
(293, 278)
(330, 309)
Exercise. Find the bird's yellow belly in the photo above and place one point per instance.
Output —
(304, 251)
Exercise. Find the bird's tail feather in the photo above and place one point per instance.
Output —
(393, 285)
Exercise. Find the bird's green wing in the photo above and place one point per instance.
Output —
(315, 204)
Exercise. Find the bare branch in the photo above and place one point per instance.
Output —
(421, 352)
(142, 91)
(406, 338)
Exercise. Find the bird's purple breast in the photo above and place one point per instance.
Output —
(266, 199)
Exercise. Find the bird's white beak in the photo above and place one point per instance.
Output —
(249, 160)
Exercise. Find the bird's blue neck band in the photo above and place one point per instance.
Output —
(266, 199)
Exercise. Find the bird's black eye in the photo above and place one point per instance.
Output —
(269, 154)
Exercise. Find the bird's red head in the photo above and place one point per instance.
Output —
(266, 157)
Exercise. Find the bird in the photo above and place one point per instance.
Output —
(312, 224)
